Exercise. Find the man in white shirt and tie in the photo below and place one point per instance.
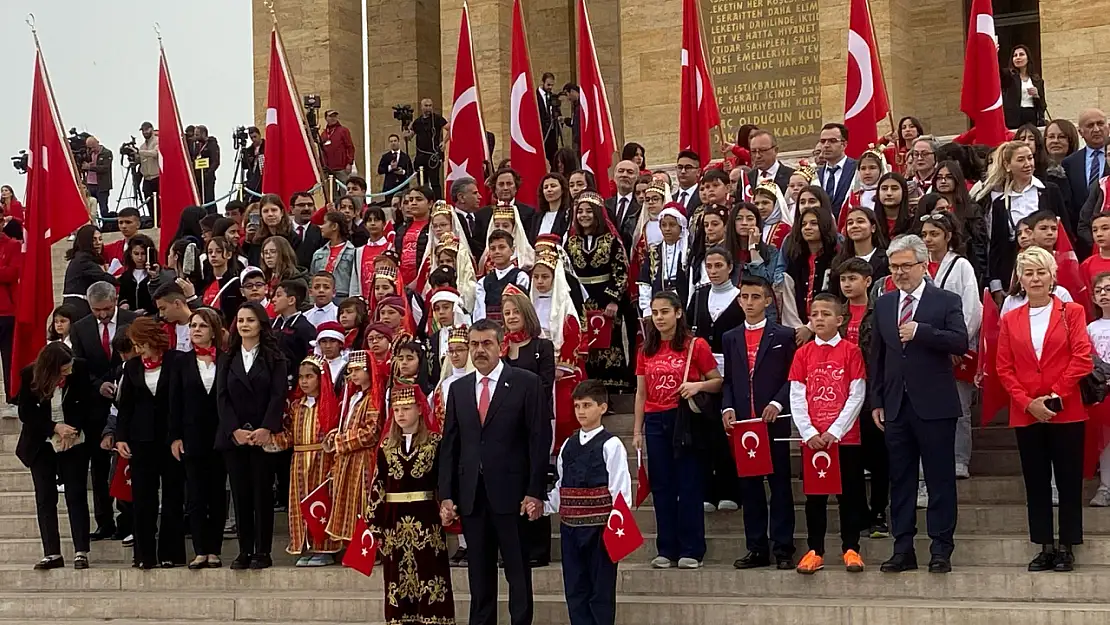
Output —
(549, 123)
(395, 166)
(765, 161)
(689, 172)
(837, 173)
(623, 209)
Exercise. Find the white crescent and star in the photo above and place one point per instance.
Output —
(744, 443)
(465, 99)
(984, 25)
(271, 116)
(697, 75)
(861, 53)
(457, 170)
(520, 89)
(828, 462)
(619, 531)
(312, 510)
(362, 540)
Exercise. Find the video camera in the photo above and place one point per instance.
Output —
(21, 161)
(77, 145)
(404, 114)
(311, 105)
(240, 138)
(130, 149)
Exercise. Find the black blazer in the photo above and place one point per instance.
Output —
(81, 273)
(697, 311)
(559, 227)
(295, 340)
(847, 175)
(307, 246)
(1002, 250)
(144, 417)
(692, 202)
(626, 226)
(1011, 98)
(194, 415)
(249, 400)
(770, 380)
(137, 294)
(782, 177)
(538, 356)
(509, 453)
(1075, 167)
(922, 368)
(38, 424)
(85, 337)
(392, 179)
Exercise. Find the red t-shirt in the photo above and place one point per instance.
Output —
(857, 313)
(752, 339)
(333, 255)
(663, 373)
(1093, 266)
(933, 268)
(409, 251)
(828, 372)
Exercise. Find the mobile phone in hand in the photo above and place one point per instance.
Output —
(1055, 404)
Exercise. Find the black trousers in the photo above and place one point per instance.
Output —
(206, 504)
(537, 537)
(7, 328)
(852, 502)
(251, 471)
(1044, 447)
(754, 505)
(159, 535)
(876, 461)
(73, 466)
(150, 187)
(431, 176)
(589, 576)
(100, 467)
(102, 197)
(718, 466)
(486, 533)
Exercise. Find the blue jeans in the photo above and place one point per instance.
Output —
(676, 485)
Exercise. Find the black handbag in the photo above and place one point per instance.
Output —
(689, 410)
(1092, 387)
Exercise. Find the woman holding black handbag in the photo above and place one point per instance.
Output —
(675, 372)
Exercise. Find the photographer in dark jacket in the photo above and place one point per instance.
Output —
(97, 167)
(253, 160)
(205, 147)
(428, 129)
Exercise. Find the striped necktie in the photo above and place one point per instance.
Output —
(906, 313)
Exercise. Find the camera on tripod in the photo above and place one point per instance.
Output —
(404, 114)
(130, 149)
(77, 145)
(240, 137)
(311, 105)
(21, 161)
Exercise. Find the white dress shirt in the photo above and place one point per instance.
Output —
(769, 174)
(249, 356)
(207, 371)
(112, 325)
(916, 300)
(616, 465)
(799, 405)
(628, 200)
(690, 192)
(480, 291)
(151, 376)
(493, 377)
(836, 176)
(184, 341)
(547, 222)
(1025, 202)
(317, 314)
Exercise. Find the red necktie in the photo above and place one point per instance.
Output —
(483, 401)
(105, 340)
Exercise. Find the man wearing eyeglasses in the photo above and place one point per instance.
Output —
(307, 237)
(765, 161)
(922, 159)
(689, 173)
(838, 171)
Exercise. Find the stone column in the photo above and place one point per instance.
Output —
(1075, 40)
(651, 48)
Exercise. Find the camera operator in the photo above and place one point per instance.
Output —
(572, 121)
(395, 165)
(97, 166)
(428, 130)
(253, 160)
(548, 103)
(338, 152)
(204, 146)
(148, 160)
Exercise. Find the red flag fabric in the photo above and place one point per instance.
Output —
(751, 448)
(621, 536)
(698, 111)
(120, 488)
(55, 207)
(468, 149)
(290, 164)
(968, 367)
(643, 485)
(865, 99)
(315, 509)
(363, 551)
(601, 329)
(981, 94)
(598, 141)
(526, 145)
(821, 470)
(1068, 274)
(177, 189)
(994, 397)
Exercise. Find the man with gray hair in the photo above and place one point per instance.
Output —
(467, 202)
(92, 338)
(918, 329)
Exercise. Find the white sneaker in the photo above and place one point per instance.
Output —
(922, 496)
(688, 563)
(1101, 498)
(61, 488)
(1055, 496)
(727, 505)
(708, 507)
(961, 471)
(659, 562)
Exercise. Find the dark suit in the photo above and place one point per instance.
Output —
(483, 216)
(847, 174)
(782, 177)
(559, 227)
(549, 126)
(295, 336)
(394, 177)
(915, 385)
(1002, 251)
(742, 390)
(487, 470)
(85, 336)
(693, 200)
(307, 245)
(626, 223)
(1077, 167)
(101, 190)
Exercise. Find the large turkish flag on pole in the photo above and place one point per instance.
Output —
(596, 122)
(468, 150)
(698, 108)
(177, 189)
(290, 164)
(865, 99)
(55, 208)
(981, 95)
(526, 145)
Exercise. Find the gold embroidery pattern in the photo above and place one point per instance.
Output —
(410, 536)
(425, 456)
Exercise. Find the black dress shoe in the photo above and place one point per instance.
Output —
(119, 535)
(102, 533)
(47, 564)
(459, 559)
(1045, 560)
(940, 565)
(80, 562)
(784, 563)
(1065, 560)
(261, 561)
(753, 561)
(900, 562)
(241, 562)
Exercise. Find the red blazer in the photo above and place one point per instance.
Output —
(1065, 359)
(11, 266)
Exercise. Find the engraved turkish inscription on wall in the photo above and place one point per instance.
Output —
(766, 66)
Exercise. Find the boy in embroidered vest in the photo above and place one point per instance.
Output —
(593, 469)
(487, 297)
(827, 387)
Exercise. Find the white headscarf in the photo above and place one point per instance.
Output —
(562, 306)
(525, 254)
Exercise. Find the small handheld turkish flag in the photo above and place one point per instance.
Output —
(315, 510)
(821, 470)
(643, 486)
(363, 550)
(600, 328)
(121, 480)
(622, 536)
(751, 448)
(968, 367)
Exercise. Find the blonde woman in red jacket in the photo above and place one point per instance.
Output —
(1043, 353)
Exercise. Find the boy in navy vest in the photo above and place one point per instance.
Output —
(593, 469)
(487, 297)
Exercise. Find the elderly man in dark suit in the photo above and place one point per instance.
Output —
(917, 330)
(307, 237)
(623, 208)
(92, 341)
(493, 472)
(765, 161)
(1086, 165)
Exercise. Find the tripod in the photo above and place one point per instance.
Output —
(133, 192)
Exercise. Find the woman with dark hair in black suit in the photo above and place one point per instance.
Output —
(134, 283)
(142, 437)
(1022, 91)
(85, 268)
(251, 387)
(553, 207)
(52, 407)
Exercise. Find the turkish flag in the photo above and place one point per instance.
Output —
(698, 111)
(120, 487)
(315, 509)
(1067, 271)
(994, 396)
(865, 99)
(621, 536)
(468, 150)
(55, 207)
(601, 329)
(290, 164)
(363, 551)
(821, 470)
(177, 189)
(981, 94)
(598, 141)
(526, 145)
(643, 486)
(968, 367)
(751, 448)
